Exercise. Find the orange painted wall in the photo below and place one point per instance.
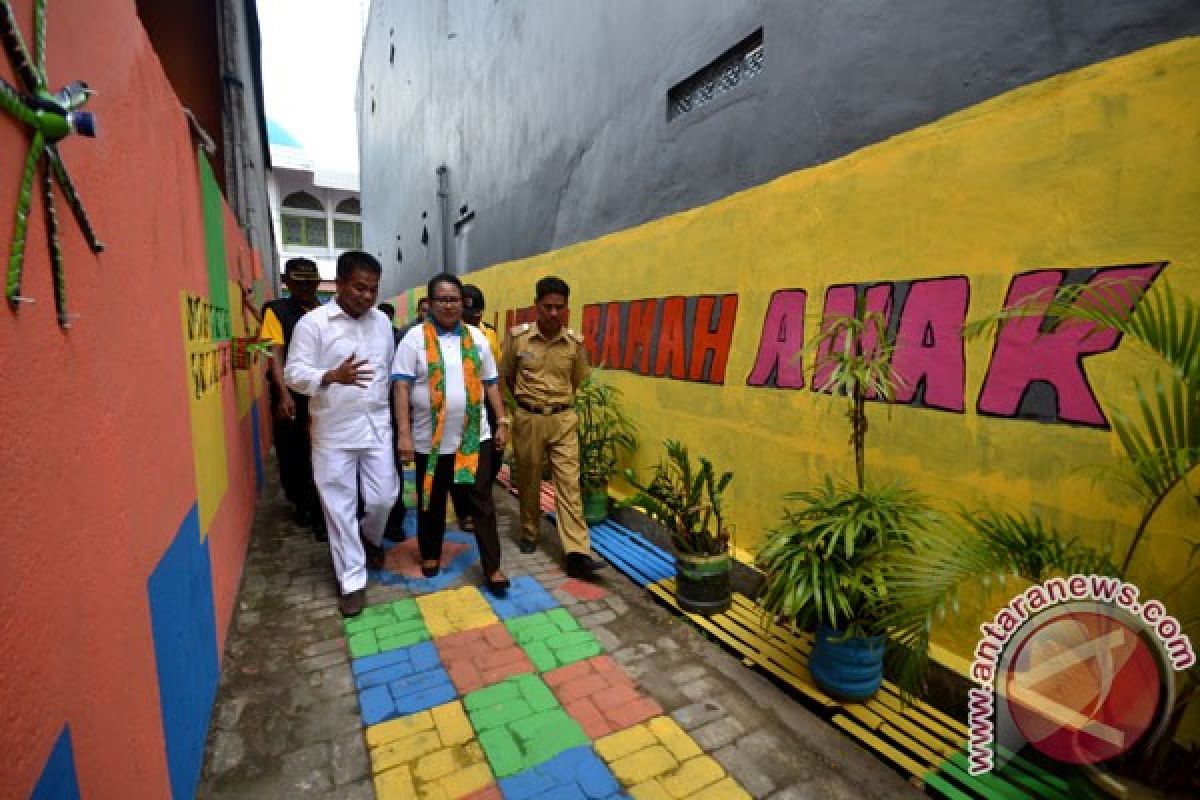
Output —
(96, 453)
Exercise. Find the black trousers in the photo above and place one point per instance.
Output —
(431, 519)
(293, 450)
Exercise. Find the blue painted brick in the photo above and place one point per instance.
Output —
(526, 785)
(525, 596)
(424, 657)
(426, 699)
(377, 677)
(376, 704)
(379, 660)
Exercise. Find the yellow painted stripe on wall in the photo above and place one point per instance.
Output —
(1093, 168)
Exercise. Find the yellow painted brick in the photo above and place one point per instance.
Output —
(692, 776)
(395, 784)
(432, 766)
(726, 789)
(452, 723)
(433, 791)
(399, 728)
(620, 744)
(643, 765)
(650, 790)
(673, 737)
(465, 781)
(404, 751)
(478, 619)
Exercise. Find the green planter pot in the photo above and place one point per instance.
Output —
(702, 583)
(595, 505)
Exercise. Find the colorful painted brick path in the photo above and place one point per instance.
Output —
(560, 690)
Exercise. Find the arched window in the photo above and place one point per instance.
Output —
(303, 200)
(303, 221)
(349, 206)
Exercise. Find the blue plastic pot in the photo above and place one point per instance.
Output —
(848, 668)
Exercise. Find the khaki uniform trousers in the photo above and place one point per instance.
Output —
(552, 437)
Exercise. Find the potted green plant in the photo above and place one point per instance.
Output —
(827, 565)
(688, 502)
(605, 434)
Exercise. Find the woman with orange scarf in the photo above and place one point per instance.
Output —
(442, 373)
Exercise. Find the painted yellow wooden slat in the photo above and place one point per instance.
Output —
(894, 704)
(899, 727)
(872, 741)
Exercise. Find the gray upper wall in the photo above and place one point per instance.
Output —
(550, 116)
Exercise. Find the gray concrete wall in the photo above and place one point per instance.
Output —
(551, 115)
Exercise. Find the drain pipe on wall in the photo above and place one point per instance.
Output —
(443, 193)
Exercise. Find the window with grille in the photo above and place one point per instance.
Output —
(738, 64)
(347, 235)
(304, 231)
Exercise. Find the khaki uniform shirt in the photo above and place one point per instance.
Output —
(541, 371)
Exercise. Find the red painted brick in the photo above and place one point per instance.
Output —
(557, 677)
(583, 590)
(581, 687)
(496, 635)
(605, 664)
(486, 793)
(589, 718)
(632, 713)
(615, 696)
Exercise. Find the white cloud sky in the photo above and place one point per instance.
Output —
(310, 67)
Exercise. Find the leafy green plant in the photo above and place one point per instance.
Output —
(688, 502)
(605, 431)
(1160, 438)
(829, 560)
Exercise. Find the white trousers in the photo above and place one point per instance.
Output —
(338, 474)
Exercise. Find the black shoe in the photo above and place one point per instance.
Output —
(397, 535)
(431, 572)
(583, 566)
(351, 605)
(527, 545)
(300, 516)
(319, 531)
(497, 587)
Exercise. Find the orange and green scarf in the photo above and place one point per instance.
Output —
(466, 460)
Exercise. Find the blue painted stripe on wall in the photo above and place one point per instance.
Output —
(256, 436)
(185, 650)
(58, 780)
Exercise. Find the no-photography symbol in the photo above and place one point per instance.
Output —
(1083, 687)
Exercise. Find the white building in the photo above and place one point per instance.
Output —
(316, 212)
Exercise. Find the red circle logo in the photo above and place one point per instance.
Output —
(1083, 687)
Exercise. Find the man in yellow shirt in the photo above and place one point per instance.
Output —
(289, 410)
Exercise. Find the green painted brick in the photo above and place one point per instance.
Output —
(502, 752)
(538, 696)
(492, 695)
(570, 655)
(571, 639)
(543, 660)
(557, 733)
(403, 640)
(363, 644)
(499, 715)
(562, 619)
(528, 727)
(370, 619)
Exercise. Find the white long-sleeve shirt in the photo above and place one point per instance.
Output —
(343, 417)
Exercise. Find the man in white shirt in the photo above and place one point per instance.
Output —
(341, 355)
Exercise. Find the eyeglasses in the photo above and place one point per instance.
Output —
(447, 301)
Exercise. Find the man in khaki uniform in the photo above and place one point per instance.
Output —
(543, 364)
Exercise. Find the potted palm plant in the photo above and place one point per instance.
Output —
(827, 565)
(605, 433)
(688, 502)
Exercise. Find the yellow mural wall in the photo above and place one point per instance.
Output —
(1094, 168)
